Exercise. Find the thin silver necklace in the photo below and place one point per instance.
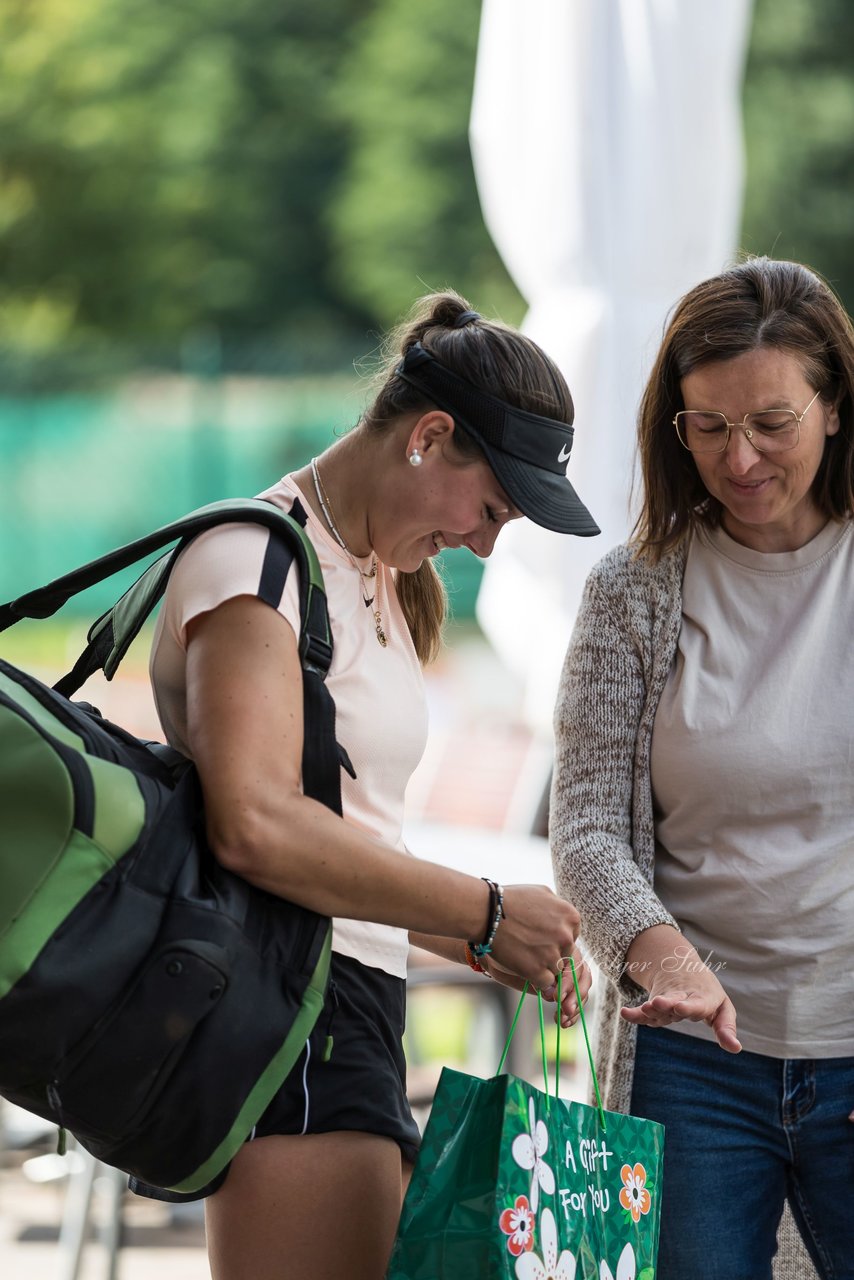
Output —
(371, 575)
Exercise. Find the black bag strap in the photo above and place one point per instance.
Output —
(111, 635)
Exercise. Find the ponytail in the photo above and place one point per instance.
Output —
(424, 602)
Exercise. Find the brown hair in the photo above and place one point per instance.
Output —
(757, 303)
(494, 358)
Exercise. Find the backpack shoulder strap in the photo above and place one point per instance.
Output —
(112, 634)
(47, 600)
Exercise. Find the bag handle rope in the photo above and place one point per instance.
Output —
(557, 1045)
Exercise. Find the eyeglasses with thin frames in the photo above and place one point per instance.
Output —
(771, 431)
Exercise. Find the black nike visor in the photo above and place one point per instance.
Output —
(527, 452)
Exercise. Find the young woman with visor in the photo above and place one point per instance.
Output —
(464, 435)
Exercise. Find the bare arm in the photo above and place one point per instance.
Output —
(244, 724)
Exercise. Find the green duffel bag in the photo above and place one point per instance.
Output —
(151, 1001)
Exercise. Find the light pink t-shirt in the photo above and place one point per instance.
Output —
(381, 715)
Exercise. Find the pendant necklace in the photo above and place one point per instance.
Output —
(371, 575)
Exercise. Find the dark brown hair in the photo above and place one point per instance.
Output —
(491, 356)
(757, 303)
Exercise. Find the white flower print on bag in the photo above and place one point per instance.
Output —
(626, 1266)
(528, 1151)
(552, 1266)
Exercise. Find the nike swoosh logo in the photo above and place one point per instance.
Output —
(563, 456)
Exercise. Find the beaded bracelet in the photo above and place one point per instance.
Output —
(496, 915)
(475, 964)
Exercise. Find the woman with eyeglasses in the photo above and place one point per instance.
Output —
(702, 811)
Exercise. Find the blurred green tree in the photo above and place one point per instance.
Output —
(799, 130)
(163, 168)
(408, 219)
(256, 185)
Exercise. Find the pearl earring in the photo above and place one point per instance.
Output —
(415, 458)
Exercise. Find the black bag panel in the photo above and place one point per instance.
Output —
(171, 890)
(148, 1031)
(213, 1070)
(227, 1054)
(212, 1063)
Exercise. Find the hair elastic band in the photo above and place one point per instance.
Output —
(466, 317)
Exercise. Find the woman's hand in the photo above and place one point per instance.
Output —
(531, 944)
(680, 986)
(569, 1001)
(537, 931)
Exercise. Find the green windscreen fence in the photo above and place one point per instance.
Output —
(82, 474)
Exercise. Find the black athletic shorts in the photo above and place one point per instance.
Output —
(351, 1075)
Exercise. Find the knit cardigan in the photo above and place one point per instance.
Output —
(601, 814)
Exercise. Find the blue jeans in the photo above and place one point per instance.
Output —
(744, 1133)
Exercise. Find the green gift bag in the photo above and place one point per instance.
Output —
(514, 1182)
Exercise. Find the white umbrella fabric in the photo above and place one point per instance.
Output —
(606, 140)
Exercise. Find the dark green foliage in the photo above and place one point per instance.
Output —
(799, 128)
(260, 186)
(163, 170)
(408, 218)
